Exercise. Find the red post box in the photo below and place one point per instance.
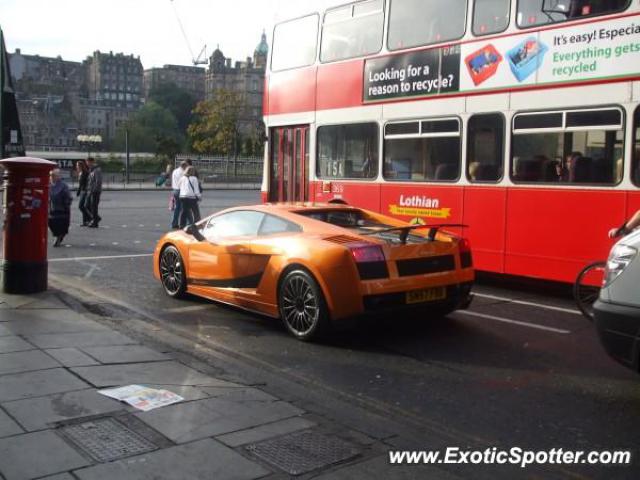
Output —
(26, 212)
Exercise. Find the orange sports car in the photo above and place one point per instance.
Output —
(316, 265)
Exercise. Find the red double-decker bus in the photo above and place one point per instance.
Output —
(520, 119)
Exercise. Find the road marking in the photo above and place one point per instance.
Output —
(124, 226)
(141, 226)
(137, 241)
(513, 322)
(115, 243)
(106, 257)
(92, 244)
(530, 304)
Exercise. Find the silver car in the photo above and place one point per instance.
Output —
(617, 311)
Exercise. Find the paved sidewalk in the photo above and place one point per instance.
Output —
(54, 424)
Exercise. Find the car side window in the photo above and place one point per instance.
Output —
(272, 225)
(234, 224)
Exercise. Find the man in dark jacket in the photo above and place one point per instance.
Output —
(94, 190)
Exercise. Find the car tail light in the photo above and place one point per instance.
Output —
(363, 253)
(619, 259)
(370, 261)
(466, 260)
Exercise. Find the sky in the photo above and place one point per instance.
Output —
(74, 29)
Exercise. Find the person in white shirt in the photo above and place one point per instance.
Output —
(176, 176)
(190, 195)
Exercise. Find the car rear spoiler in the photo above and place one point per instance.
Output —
(404, 230)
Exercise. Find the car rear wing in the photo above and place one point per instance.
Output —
(404, 230)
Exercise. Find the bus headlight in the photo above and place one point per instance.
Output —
(619, 259)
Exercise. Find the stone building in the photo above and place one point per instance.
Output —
(46, 91)
(190, 79)
(59, 99)
(115, 80)
(246, 78)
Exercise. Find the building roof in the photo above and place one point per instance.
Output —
(263, 46)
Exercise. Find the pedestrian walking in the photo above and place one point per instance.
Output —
(59, 207)
(197, 175)
(176, 176)
(94, 190)
(190, 195)
(82, 193)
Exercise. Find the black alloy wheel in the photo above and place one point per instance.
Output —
(172, 272)
(302, 306)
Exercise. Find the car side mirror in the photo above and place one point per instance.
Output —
(194, 231)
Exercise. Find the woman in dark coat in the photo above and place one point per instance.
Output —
(59, 207)
(82, 193)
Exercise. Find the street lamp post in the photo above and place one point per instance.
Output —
(89, 141)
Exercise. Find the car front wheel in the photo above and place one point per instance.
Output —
(302, 306)
(172, 272)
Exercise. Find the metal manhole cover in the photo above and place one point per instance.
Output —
(303, 452)
(106, 439)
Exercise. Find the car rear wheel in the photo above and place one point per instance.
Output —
(302, 306)
(172, 272)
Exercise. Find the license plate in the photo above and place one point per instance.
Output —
(427, 295)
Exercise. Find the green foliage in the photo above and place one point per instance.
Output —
(178, 101)
(215, 126)
(153, 128)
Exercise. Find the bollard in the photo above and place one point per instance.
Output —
(26, 211)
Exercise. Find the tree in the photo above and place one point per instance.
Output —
(215, 128)
(178, 101)
(153, 128)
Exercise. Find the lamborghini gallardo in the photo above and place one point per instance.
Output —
(316, 265)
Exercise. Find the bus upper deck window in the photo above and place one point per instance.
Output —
(531, 14)
(415, 23)
(352, 30)
(295, 43)
(490, 16)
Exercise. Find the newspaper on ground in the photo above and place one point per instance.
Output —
(141, 397)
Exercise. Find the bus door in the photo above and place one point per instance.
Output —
(289, 172)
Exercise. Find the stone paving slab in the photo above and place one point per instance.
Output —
(8, 426)
(37, 384)
(247, 394)
(71, 357)
(38, 322)
(15, 301)
(34, 455)
(167, 373)
(86, 339)
(18, 362)
(62, 476)
(185, 422)
(51, 302)
(206, 459)
(188, 393)
(39, 413)
(379, 468)
(125, 354)
(14, 344)
(263, 432)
